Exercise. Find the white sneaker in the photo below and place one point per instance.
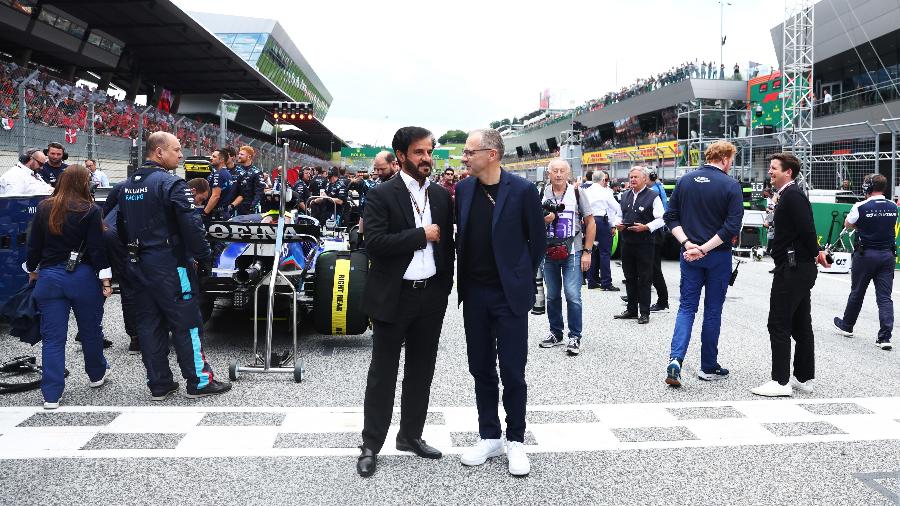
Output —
(801, 386)
(51, 405)
(519, 465)
(100, 382)
(481, 451)
(773, 389)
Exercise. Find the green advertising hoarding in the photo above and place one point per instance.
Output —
(368, 153)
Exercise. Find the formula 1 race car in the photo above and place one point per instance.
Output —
(317, 267)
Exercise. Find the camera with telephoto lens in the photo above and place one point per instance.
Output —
(552, 206)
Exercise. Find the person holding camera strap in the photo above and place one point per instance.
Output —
(66, 242)
(795, 250)
(873, 258)
(642, 215)
(568, 253)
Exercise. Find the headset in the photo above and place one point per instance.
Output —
(57, 145)
(25, 158)
(867, 184)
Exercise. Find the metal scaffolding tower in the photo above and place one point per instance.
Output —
(797, 73)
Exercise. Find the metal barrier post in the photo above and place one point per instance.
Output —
(23, 112)
(223, 123)
(140, 136)
(91, 119)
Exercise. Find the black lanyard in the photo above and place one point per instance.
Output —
(488, 195)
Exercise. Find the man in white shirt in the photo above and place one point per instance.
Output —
(98, 177)
(409, 239)
(24, 178)
(607, 214)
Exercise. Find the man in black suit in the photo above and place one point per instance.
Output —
(409, 238)
(501, 243)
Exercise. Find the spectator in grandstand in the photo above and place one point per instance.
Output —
(607, 214)
(704, 214)
(845, 185)
(54, 166)
(703, 70)
(24, 178)
(736, 75)
(722, 71)
(642, 216)
(66, 243)
(570, 230)
(98, 177)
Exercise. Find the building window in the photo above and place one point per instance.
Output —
(61, 22)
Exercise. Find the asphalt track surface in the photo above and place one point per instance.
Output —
(603, 427)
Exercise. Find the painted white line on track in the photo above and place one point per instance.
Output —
(744, 424)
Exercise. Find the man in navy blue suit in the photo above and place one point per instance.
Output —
(500, 244)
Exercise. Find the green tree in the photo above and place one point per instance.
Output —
(495, 124)
(453, 137)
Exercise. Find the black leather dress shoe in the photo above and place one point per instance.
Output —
(366, 462)
(644, 319)
(626, 315)
(419, 447)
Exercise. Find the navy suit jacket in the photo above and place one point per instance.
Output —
(518, 237)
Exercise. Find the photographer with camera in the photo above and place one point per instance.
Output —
(570, 236)
(66, 243)
(873, 258)
(795, 249)
(642, 215)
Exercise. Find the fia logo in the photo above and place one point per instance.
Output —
(701, 179)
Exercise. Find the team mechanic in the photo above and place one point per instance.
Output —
(220, 185)
(873, 259)
(164, 237)
(251, 183)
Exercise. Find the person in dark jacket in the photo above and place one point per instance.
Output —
(67, 257)
(704, 213)
(795, 250)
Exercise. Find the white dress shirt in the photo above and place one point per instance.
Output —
(603, 203)
(99, 177)
(422, 265)
(20, 180)
(658, 212)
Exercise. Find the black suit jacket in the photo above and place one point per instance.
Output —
(518, 236)
(392, 238)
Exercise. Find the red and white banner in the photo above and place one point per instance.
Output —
(7, 123)
(71, 136)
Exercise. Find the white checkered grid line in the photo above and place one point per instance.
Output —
(257, 441)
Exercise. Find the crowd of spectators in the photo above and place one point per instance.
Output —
(54, 102)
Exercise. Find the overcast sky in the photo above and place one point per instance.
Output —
(465, 63)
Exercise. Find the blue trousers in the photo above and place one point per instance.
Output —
(876, 266)
(494, 332)
(564, 275)
(56, 293)
(710, 273)
(599, 273)
(165, 299)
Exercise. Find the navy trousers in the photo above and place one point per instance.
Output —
(165, 299)
(876, 266)
(599, 273)
(493, 332)
(57, 292)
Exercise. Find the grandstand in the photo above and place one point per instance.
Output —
(47, 47)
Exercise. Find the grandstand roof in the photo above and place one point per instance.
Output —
(163, 46)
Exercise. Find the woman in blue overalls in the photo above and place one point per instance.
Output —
(67, 257)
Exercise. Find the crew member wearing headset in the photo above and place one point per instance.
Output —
(55, 164)
(874, 258)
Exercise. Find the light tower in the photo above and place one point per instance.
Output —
(797, 79)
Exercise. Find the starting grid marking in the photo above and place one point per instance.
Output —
(189, 432)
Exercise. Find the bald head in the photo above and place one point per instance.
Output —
(164, 149)
(384, 165)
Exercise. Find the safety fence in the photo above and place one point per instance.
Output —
(37, 108)
(840, 158)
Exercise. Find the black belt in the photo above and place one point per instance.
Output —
(418, 284)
